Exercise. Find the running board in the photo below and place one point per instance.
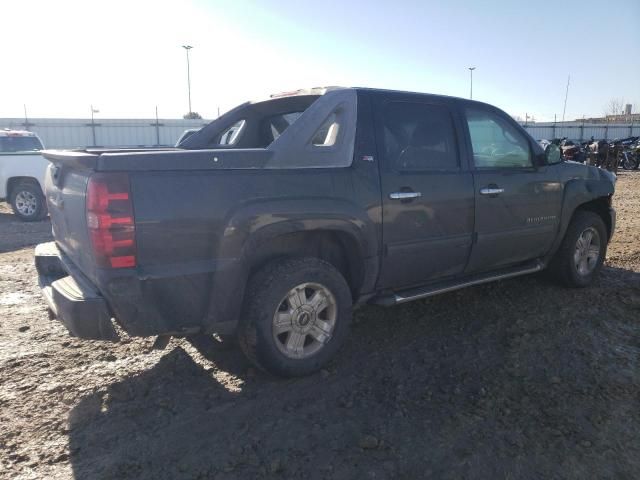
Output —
(436, 289)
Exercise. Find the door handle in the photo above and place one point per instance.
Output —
(404, 195)
(491, 191)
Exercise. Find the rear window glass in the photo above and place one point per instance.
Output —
(327, 134)
(231, 134)
(19, 144)
(275, 125)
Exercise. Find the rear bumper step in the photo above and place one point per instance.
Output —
(71, 297)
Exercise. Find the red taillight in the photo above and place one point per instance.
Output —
(110, 220)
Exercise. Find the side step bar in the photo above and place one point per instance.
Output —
(443, 287)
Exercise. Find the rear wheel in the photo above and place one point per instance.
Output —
(583, 250)
(27, 201)
(297, 316)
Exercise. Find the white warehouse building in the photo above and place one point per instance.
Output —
(81, 133)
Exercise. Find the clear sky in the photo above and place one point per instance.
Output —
(125, 57)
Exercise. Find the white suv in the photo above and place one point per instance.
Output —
(22, 170)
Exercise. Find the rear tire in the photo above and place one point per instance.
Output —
(28, 202)
(582, 251)
(296, 317)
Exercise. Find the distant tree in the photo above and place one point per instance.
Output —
(614, 107)
(528, 119)
(192, 116)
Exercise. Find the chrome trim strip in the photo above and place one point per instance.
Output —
(404, 195)
(491, 191)
(401, 299)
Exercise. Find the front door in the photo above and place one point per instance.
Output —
(517, 201)
(427, 194)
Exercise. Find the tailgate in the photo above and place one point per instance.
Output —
(65, 189)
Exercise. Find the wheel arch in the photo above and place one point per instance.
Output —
(579, 194)
(337, 247)
(600, 206)
(12, 182)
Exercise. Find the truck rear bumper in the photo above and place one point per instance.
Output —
(71, 296)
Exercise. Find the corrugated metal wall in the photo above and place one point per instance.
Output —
(78, 132)
(579, 131)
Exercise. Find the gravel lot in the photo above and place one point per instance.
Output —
(517, 379)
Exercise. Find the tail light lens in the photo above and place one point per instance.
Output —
(110, 220)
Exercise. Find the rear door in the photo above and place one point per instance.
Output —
(517, 201)
(427, 193)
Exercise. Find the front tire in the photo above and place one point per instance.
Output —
(582, 252)
(27, 202)
(297, 316)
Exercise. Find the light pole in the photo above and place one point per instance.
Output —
(187, 48)
(93, 125)
(471, 69)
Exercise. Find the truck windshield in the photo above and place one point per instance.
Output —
(19, 144)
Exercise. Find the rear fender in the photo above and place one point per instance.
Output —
(256, 223)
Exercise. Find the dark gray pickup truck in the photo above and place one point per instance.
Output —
(273, 221)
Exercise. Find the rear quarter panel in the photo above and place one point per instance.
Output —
(195, 229)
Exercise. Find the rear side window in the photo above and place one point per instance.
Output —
(327, 134)
(495, 142)
(231, 134)
(275, 125)
(419, 136)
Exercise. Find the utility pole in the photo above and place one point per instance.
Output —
(187, 48)
(157, 128)
(471, 69)
(93, 125)
(565, 97)
(26, 118)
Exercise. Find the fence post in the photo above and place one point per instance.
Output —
(554, 126)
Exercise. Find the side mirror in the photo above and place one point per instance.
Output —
(552, 154)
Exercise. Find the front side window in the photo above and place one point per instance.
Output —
(419, 136)
(495, 142)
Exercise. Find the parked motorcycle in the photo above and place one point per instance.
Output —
(630, 154)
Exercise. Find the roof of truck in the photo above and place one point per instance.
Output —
(7, 132)
(318, 91)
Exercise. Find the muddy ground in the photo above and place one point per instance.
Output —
(517, 379)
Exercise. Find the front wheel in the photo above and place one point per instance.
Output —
(629, 162)
(583, 250)
(27, 201)
(296, 317)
